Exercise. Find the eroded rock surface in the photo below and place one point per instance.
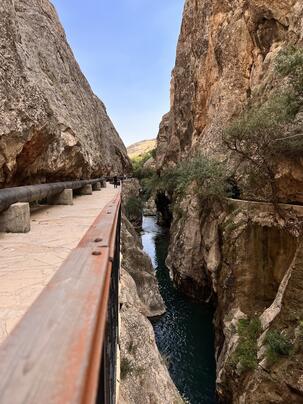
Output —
(225, 58)
(52, 126)
(138, 264)
(260, 266)
(244, 258)
(247, 260)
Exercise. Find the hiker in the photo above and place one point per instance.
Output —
(115, 181)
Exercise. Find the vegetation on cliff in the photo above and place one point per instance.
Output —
(133, 210)
(139, 171)
(266, 132)
(277, 345)
(245, 355)
(209, 177)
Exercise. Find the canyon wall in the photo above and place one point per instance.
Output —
(225, 59)
(144, 375)
(52, 126)
(244, 257)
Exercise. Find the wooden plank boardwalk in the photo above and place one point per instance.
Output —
(29, 261)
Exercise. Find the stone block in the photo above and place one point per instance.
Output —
(86, 190)
(103, 184)
(64, 198)
(15, 219)
(97, 186)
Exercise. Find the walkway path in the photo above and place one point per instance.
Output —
(28, 261)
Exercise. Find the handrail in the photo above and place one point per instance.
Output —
(54, 353)
(31, 193)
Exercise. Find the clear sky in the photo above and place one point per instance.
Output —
(126, 49)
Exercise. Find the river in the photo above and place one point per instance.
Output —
(184, 335)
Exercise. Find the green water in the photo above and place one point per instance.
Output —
(185, 335)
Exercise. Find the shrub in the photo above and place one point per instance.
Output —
(249, 328)
(245, 354)
(133, 208)
(277, 345)
(289, 63)
(264, 133)
(209, 177)
(166, 182)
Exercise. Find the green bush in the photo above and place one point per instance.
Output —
(209, 178)
(249, 328)
(289, 63)
(245, 354)
(166, 182)
(265, 132)
(133, 208)
(277, 345)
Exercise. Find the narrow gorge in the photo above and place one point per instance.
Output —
(211, 285)
(229, 172)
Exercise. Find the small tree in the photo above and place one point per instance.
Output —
(277, 345)
(210, 179)
(208, 176)
(265, 133)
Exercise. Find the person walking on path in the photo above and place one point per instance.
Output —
(115, 181)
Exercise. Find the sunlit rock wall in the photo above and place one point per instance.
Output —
(52, 126)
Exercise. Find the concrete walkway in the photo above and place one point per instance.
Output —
(28, 261)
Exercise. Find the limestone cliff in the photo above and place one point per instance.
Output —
(247, 261)
(241, 256)
(225, 57)
(52, 126)
(260, 277)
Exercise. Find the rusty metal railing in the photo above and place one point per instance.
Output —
(64, 348)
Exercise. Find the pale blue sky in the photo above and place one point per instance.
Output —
(126, 49)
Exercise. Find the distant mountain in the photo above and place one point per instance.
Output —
(140, 148)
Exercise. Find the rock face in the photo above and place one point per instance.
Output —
(52, 126)
(139, 266)
(260, 276)
(132, 204)
(144, 376)
(241, 256)
(247, 261)
(225, 56)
